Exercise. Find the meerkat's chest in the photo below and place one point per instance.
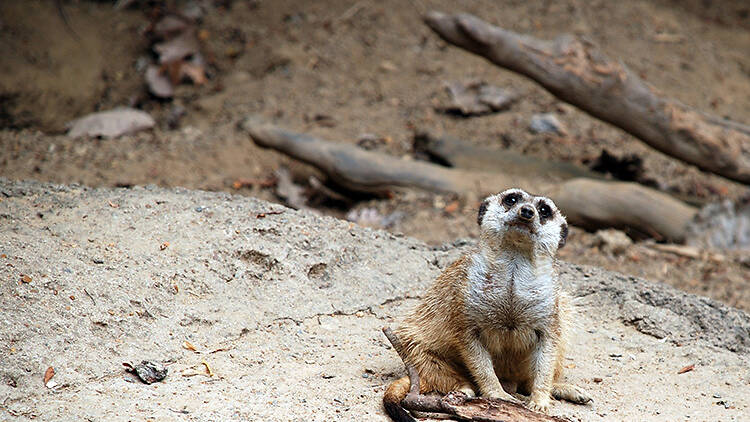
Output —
(513, 295)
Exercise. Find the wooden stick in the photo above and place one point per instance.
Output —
(577, 72)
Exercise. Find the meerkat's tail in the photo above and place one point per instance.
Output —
(392, 400)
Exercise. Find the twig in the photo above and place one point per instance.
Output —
(89, 295)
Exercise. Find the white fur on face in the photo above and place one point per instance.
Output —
(500, 222)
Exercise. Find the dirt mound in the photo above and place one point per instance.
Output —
(284, 309)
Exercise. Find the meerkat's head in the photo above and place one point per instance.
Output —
(515, 217)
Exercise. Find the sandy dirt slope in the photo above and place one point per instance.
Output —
(287, 309)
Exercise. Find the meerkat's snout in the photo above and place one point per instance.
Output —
(526, 213)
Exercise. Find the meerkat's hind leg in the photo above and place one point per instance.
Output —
(571, 393)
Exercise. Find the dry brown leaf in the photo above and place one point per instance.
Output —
(113, 205)
(686, 369)
(452, 207)
(208, 368)
(186, 344)
(48, 374)
(194, 72)
(25, 278)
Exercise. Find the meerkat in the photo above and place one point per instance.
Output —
(496, 317)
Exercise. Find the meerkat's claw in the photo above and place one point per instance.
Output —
(539, 405)
(502, 395)
(468, 390)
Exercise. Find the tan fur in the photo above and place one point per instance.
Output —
(494, 318)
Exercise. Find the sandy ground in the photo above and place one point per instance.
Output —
(286, 310)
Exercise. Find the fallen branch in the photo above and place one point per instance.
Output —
(587, 203)
(460, 405)
(463, 155)
(365, 171)
(577, 72)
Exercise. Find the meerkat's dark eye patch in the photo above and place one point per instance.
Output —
(545, 211)
(563, 236)
(482, 210)
(511, 199)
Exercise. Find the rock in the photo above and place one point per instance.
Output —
(148, 371)
(547, 123)
(476, 97)
(721, 225)
(111, 124)
(612, 241)
(158, 83)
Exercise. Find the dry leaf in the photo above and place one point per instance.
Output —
(186, 344)
(686, 369)
(48, 374)
(25, 278)
(163, 246)
(194, 72)
(452, 207)
(113, 205)
(208, 368)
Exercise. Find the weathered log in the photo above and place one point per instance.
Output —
(460, 405)
(577, 72)
(586, 202)
(365, 171)
(453, 152)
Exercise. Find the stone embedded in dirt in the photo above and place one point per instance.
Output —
(547, 123)
(158, 82)
(291, 193)
(612, 241)
(177, 48)
(370, 217)
(111, 124)
(477, 97)
(148, 371)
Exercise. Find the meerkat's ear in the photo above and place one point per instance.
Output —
(482, 210)
(563, 235)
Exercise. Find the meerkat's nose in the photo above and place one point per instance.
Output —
(526, 213)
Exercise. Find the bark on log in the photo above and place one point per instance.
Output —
(577, 72)
(462, 155)
(458, 404)
(587, 203)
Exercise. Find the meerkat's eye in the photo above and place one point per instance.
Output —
(544, 210)
(511, 199)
